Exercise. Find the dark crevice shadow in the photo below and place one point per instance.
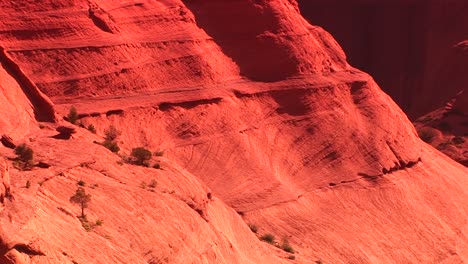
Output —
(43, 111)
(245, 31)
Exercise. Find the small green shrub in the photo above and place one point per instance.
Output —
(85, 223)
(111, 145)
(286, 246)
(28, 184)
(427, 134)
(269, 238)
(24, 153)
(111, 133)
(82, 199)
(157, 166)
(92, 129)
(72, 115)
(99, 222)
(143, 185)
(253, 228)
(153, 183)
(141, 155)
(81, 183)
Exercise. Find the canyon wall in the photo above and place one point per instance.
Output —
(405, 45)
(255, 119)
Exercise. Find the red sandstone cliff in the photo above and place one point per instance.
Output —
(261, 122)
(404, 44)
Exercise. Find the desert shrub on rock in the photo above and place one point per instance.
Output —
(72, 115)
(112, 133)
(82, 199)
(253, 228)
(92, 129)
(427, 134)
(286, 246)
(141, 155)
(25, 155)
(153, 183)
(111, 145)
(269, 238)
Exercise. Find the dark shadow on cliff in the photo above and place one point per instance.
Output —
(239, 27)
(403, 44)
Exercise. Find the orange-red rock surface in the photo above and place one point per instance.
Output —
(259, 120)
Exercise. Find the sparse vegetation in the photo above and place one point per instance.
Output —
(269, 238)
(141, 155)
(157, 166)
(82, 199)
(85, 223)
(72, 115)
(28, 184)
(159, 153)
(286, 246)
(427, 134)
(112, 133)
(153, 183)
(24, 153)
(99, 222)
(81, 183)
(111, 145)
(92, 129)
(253, 228)
(143, 185)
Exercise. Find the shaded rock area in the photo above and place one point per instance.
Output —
(7, 141)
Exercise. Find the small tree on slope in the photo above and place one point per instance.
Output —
(82, 199)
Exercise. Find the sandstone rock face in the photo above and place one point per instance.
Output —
(4, 181)
(256, 121)
(404, 44)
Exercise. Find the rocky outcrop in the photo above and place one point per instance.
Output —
(7, 142)
(43, 107)
(4, 181)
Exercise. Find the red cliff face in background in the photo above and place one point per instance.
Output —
(257, 119)
(406, 45)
